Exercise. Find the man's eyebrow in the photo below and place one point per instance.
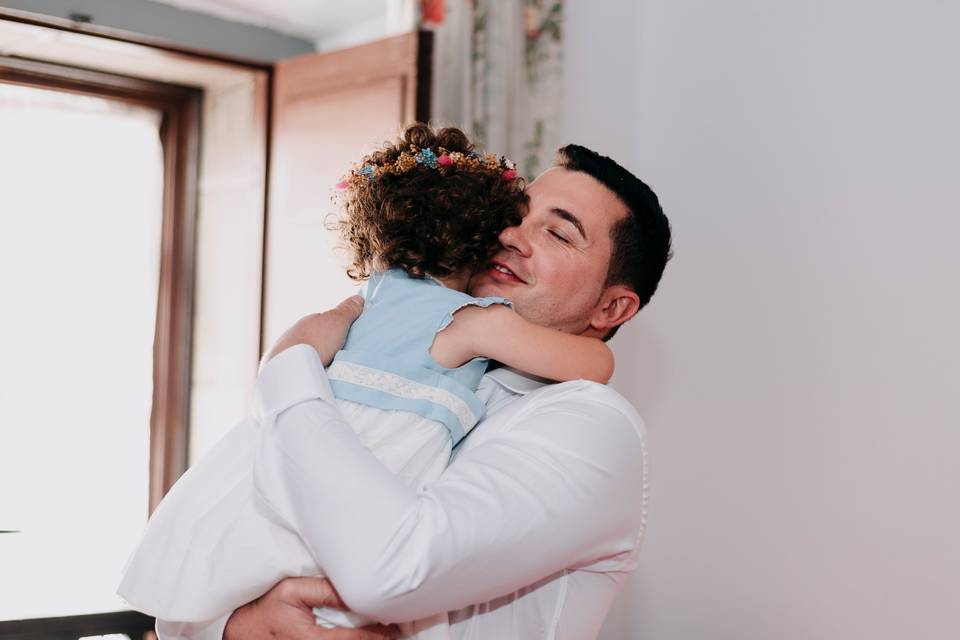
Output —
(572, 219)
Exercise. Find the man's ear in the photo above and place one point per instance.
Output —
(617, 305)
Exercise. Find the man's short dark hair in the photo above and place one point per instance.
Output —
(641, 240)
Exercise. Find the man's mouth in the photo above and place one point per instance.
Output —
(502, 273)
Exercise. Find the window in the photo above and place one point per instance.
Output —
(97, 182)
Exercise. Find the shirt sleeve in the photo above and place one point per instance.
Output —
(561, 489)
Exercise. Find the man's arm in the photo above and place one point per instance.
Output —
(286, 613)
(561, 489)
(283, 613)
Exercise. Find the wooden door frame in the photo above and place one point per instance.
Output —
(408, 56)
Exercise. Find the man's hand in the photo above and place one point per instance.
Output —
(286, 613)
(326, 332)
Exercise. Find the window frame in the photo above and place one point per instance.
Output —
(130, 623)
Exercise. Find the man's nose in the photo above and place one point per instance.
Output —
(515, 239)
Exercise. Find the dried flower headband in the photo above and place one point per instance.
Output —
(444, 162)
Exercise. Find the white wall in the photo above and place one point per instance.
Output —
(799, 371)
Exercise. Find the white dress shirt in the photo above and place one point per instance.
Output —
(528, 534)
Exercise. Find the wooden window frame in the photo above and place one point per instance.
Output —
(179, 133)
(131, 623)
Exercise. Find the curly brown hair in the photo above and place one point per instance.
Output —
(427, 220)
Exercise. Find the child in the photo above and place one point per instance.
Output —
(420, 216)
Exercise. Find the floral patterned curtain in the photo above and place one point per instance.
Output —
(498, 72)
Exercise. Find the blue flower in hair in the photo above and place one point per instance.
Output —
(427, 157)
(368, 170)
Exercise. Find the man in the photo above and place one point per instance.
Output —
(532, 529)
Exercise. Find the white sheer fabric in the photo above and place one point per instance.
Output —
(81, 187)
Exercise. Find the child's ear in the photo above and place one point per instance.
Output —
(617, 305)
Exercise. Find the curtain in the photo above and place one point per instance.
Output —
(498, 73)
(81, 213)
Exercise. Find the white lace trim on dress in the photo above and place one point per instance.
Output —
(399, 386)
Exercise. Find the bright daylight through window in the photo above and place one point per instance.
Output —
(81, 189)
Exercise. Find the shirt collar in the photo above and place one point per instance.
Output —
(515, 381)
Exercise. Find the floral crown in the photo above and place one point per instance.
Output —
(443, 161)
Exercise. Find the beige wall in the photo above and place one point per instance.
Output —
(800, 369)
(176, 25)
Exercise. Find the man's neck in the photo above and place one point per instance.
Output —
(458, 281)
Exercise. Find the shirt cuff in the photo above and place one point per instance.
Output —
(293, 376)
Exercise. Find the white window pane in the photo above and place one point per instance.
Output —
(81, 185)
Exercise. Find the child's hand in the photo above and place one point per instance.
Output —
(326, 332)
(286, 613)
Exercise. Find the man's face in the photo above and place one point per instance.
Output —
(554, 263)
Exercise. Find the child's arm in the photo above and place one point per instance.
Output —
(499, 333)
(326, 332)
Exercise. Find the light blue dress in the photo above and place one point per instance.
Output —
(386, 361)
